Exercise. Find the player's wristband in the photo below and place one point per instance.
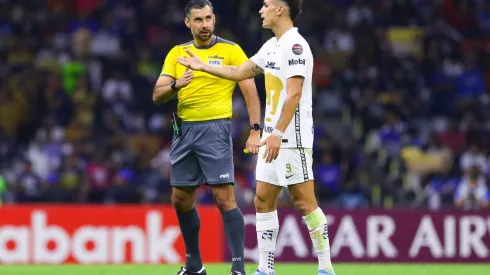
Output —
(278, 133)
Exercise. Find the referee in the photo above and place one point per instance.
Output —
(202, 143)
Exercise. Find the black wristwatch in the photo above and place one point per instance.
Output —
(172, 85)
(256, 127)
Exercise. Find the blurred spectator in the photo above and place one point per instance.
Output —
(472, 192)
(473, 159)
(328, 176)
(28, 185)
(440, 190)
(98, 178)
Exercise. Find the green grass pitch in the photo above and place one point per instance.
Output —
(281, 269)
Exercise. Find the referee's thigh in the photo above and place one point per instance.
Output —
(184, 169)
(214, 152)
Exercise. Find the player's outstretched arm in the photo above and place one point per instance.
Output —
(294, 91)
(235, 73)
(163, 91)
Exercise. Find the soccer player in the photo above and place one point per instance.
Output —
(202, 144)
(287, 62)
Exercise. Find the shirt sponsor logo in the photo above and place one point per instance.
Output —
(271, 65)
(298, 61)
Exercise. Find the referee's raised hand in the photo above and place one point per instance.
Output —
(193, 62)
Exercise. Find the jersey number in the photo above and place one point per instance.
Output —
(273, 88)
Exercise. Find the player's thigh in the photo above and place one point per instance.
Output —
(184, 166)
(303, 193)
(296, 171)
(266, 196)
(268, 185)
(294, 166)
(266, 171)
(303, 197)
(214, 151)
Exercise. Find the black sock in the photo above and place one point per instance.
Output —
(189, 226)
(235, 235)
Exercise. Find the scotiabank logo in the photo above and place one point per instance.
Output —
(150, 239)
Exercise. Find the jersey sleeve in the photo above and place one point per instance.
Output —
(170, 64)
(298, 56)
(238, 57)
(259, 57)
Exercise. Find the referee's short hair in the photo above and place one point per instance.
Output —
(196, 4)
(294, 8)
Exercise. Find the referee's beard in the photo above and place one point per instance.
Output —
(204, 37)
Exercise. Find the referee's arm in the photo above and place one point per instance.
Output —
(249, 91)
(163, 91)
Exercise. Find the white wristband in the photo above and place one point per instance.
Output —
(277, 133)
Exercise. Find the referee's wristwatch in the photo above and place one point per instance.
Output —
(256, 127)
(172, 85)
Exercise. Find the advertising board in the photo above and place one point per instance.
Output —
(101, 235)
(382, 236)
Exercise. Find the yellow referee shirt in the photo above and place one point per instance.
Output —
(206, 97)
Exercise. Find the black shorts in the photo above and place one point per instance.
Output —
(203, 152)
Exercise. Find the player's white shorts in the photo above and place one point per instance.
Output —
(291, 166)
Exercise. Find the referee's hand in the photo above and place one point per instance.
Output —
(185, 79)
(253, 142)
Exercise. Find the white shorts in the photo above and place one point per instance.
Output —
(292, 166)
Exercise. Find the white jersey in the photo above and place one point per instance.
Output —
(281, 59)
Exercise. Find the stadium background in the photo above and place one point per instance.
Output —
(401, 108)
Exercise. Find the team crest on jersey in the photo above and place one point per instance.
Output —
(297, 49)
(215, 63)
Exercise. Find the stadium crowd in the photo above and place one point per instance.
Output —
(401, 102)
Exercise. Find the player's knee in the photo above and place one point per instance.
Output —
(262, 205)
(303, 207)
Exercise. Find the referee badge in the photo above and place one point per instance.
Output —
(215, 63)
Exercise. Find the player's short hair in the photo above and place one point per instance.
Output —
(294, 8)
(196, 4)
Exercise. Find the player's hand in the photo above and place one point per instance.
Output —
(193, 62)
(185, 79)
(272, 145)
(253, 142)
